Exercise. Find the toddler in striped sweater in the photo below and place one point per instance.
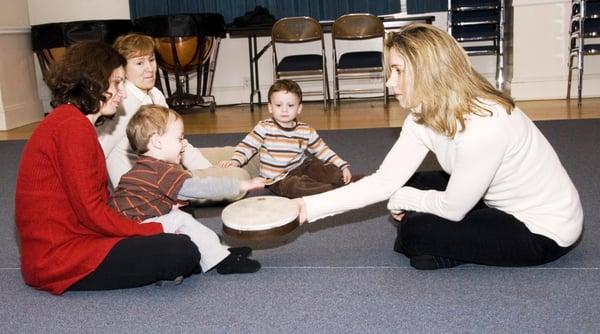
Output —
(294, 159)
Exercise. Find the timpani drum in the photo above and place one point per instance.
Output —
(186, 44)
(183, 53)
(260, 217)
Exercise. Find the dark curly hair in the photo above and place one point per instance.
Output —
(82, 76)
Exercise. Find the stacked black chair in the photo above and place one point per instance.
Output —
(186, 44)
(585, 38)
(479, 25)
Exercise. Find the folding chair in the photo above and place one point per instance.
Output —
(301, 67)
(358, 64)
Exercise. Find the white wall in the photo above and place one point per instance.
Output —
(541, 47)
(50, 11)
(19, 102)
(539, 61)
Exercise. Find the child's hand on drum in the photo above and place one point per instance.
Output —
(346, 175)
(301, 210)
(228, 163)
(255, 183)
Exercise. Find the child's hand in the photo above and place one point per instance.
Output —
(255, 183)
(346, 175)
(228, 163)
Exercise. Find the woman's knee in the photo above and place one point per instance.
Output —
(411, 230)
(429, 180)
(183, 253)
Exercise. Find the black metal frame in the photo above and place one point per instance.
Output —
(584, 36)
(484, 22)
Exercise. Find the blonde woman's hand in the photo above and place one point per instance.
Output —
(397, 215)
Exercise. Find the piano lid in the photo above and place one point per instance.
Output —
(63, 34)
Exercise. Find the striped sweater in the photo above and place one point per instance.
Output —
(283, 149)
(149, 189)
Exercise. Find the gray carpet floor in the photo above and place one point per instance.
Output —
(338, 275)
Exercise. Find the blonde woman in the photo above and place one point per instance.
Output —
(503, 197)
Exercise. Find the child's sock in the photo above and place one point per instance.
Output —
(235, 264)
(430, 262)
(241, 251)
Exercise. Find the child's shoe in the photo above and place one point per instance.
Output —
(240, 251)
(235, 264)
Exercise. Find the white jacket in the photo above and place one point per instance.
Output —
(503, 159)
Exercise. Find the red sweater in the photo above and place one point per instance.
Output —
(65, 226)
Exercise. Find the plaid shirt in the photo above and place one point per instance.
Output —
(149, 189)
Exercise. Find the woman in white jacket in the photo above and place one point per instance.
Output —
(503, 197)
(140, 73)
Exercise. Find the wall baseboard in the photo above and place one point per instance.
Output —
(17, 115)
(11, 30)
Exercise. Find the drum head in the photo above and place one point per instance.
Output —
(260, 217)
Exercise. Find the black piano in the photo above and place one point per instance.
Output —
(50, 40)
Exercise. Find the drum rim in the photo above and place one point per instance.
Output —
(259, 228)
(261, 234)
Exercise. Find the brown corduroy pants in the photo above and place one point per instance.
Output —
(311, 177)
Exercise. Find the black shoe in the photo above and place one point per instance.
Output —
(430, 262)
(176, 281)
(235, 264)
(240, 251)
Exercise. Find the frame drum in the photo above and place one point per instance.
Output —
(260, 217)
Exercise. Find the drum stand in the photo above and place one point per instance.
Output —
(181, 99)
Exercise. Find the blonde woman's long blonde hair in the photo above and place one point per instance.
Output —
(445, 85)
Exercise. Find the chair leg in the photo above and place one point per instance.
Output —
(580, 88)
(336, 89)
(570, 77)
(326, 95)
(500, 71)
(385, 92)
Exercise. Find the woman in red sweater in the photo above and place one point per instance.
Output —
(70, 239)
